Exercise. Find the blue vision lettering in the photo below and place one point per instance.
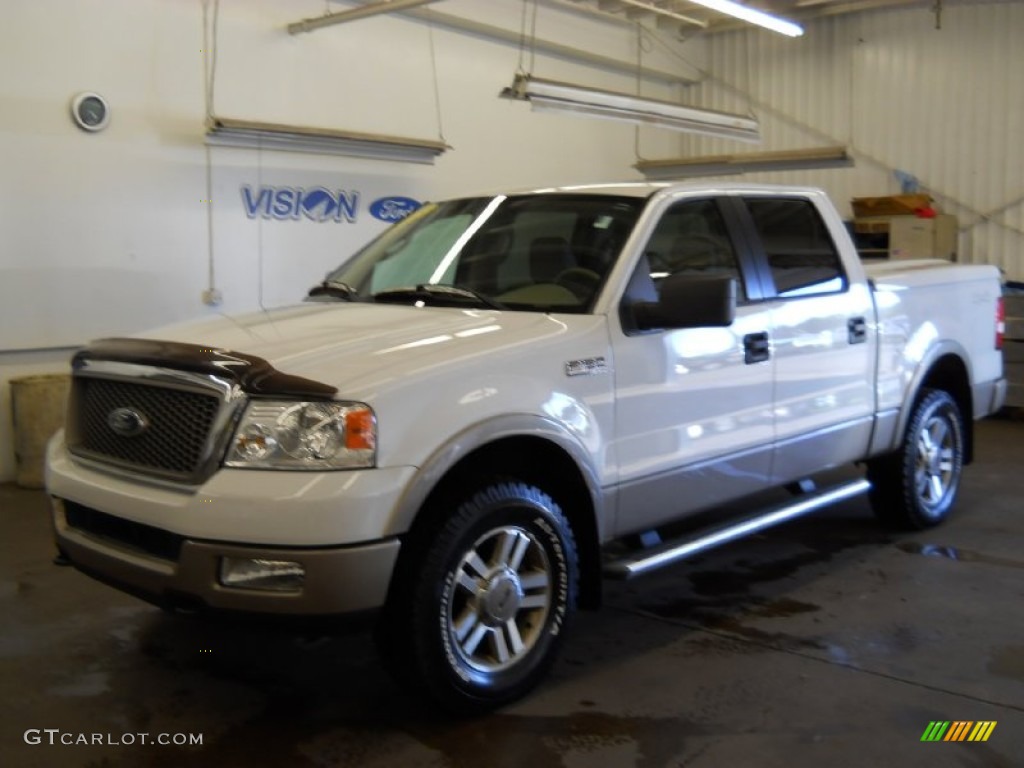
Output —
(292, 203)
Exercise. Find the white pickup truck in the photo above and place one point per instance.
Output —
(503, 399)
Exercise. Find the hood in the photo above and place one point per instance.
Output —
(355, 347)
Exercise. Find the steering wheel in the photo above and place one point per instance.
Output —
(581, 281)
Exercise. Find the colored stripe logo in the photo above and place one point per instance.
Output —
(958, 730)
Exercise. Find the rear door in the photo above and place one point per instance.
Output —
(822, 338)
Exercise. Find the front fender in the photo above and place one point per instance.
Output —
(460, 446)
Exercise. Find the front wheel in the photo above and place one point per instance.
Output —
(483, 619)
(915, 487)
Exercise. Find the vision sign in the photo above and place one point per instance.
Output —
(319, 204)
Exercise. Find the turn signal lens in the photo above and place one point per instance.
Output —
(360, 430)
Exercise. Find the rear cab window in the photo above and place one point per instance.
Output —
(798, 247)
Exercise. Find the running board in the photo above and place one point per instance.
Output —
(673, 551)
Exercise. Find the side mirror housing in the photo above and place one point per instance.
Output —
(689, 301)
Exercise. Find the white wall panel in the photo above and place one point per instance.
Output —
(106, 233)
(945, 105)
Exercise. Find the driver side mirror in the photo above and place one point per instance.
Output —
(689, 301)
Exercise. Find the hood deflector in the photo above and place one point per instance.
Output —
(253, 374)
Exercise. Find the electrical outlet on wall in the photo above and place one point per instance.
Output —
(212, 297)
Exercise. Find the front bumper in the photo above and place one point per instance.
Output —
(337, 580)
(166, 544)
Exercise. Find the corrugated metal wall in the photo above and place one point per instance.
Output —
(944, 105)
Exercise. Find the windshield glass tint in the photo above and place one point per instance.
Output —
(534, 252)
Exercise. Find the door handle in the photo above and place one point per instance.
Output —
(756, 348)
(857, 330)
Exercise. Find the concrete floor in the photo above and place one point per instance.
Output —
(828, 642)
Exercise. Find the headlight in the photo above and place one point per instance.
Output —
(304, 435)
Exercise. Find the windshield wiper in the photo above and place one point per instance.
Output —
(429, 291)
(335, 289)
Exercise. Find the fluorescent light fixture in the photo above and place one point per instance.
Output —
(247, 134)
(552, 96)
(752, 16)
(749, 162)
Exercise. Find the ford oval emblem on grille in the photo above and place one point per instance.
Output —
(127, 422)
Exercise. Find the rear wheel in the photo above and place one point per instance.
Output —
(916, 486)
(482, 618)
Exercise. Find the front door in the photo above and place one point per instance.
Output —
(694, 422)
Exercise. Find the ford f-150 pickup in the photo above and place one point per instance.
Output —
(503, 400)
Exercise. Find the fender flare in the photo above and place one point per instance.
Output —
(943, 348)
(471, 439)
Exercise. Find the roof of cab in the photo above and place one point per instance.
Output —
(644, 189)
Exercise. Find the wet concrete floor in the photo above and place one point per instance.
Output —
(826, 642)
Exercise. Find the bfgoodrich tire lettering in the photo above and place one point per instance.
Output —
(489, 606)
(916, 487)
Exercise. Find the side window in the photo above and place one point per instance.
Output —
(692, 239)
(798, 246)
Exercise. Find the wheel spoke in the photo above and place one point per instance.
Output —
(522, 544)
(503, 552)
(465, 624)
(946, 463)
(468, 583)
(940, 431)
(534, 580)
(474, 562)
(514, 639)
(500, 646)
(474, 639)
(535, 601)
(936, 487)
(921, 483)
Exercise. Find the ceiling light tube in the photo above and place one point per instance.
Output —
(552, 96)
(248, 134)
(749, 162)
(753, 16)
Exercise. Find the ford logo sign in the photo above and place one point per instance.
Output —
(127, 422)
(393, 208)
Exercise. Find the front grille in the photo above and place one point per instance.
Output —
(135, 536)
(174, 426)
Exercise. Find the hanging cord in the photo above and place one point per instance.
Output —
(639, 84)
(851, 94)
(524, 37)
(210, 55)
(522, 40)
(259, 228)
(209, 80)
(533, 36)
(437, 86)
(748, 71)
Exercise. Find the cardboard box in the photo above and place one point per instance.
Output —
(890, 205)
(871, 226)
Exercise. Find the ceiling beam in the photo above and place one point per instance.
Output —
(541, 45)
(353, 14)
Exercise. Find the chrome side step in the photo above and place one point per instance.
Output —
(671, 552)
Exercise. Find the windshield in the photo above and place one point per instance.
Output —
(532, 252)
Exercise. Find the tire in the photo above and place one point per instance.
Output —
(915, 487)
(480, 617)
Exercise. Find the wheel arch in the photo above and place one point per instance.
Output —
(530, 449)
(949, 372)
